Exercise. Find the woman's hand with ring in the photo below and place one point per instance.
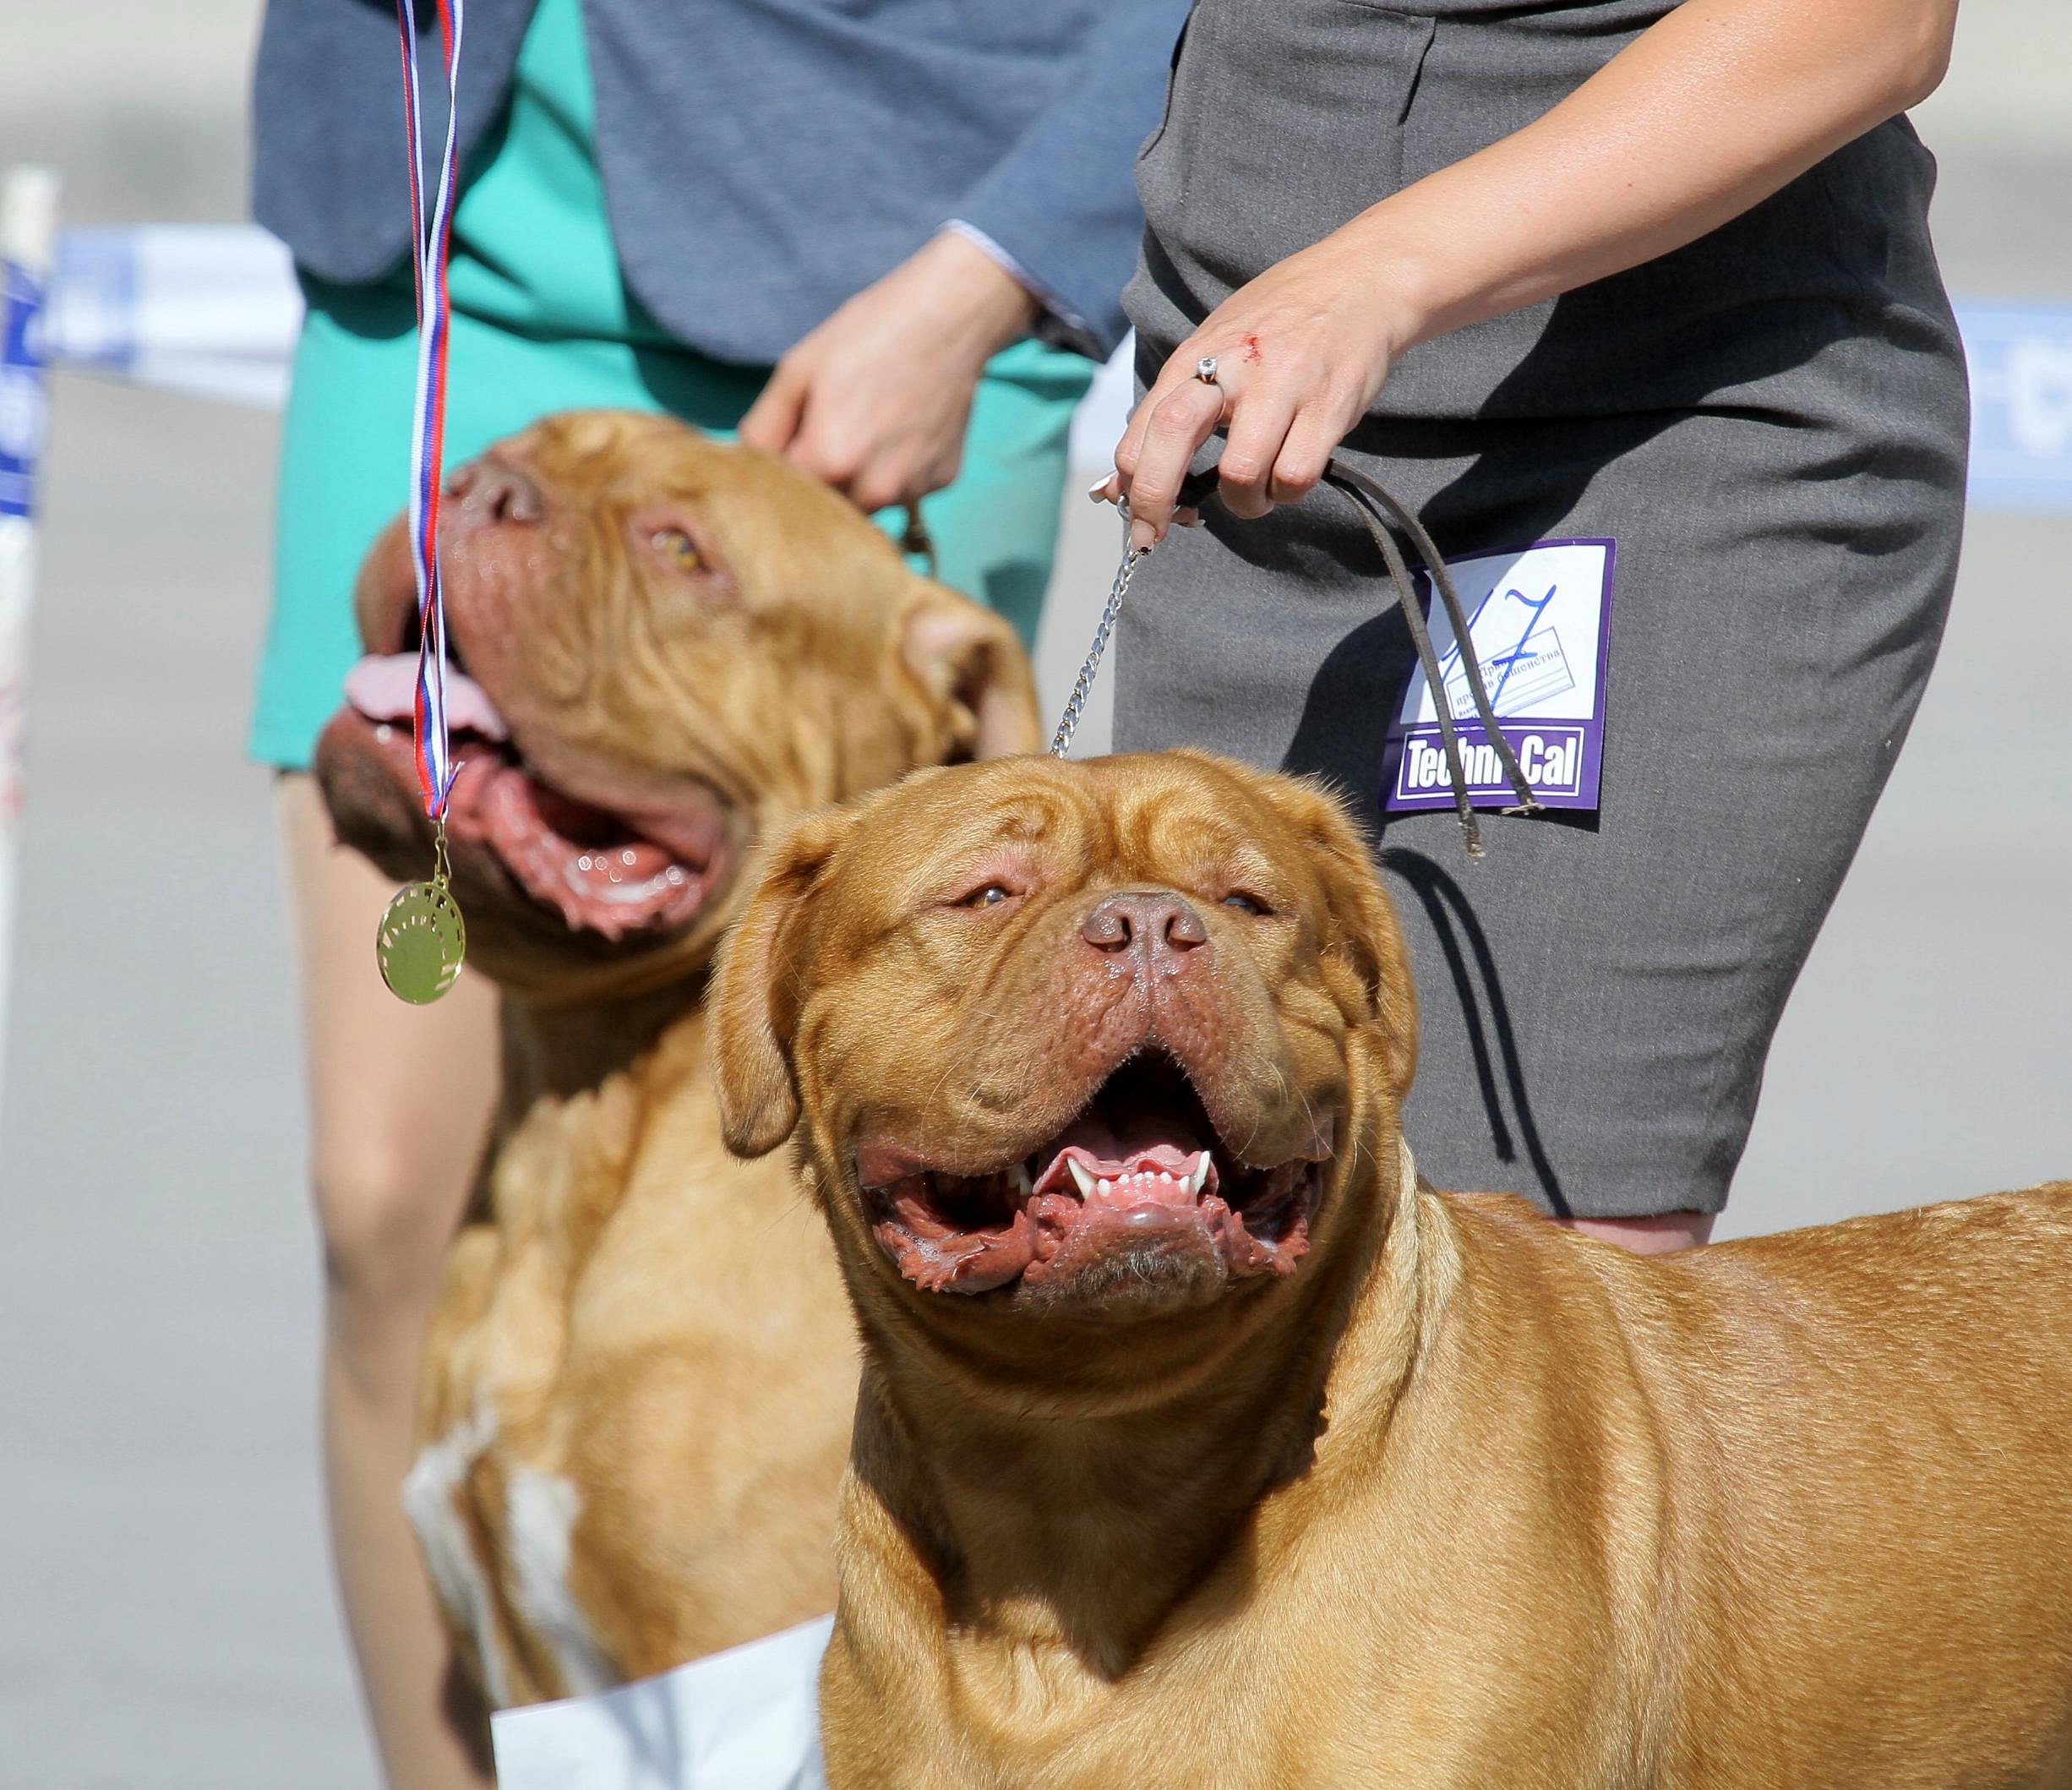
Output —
(1299, 354)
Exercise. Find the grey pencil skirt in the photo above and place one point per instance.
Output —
(1770, 424)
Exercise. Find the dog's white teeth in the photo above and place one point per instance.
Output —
(1199, 1178)
(1022, 1186)
(1104, 1187)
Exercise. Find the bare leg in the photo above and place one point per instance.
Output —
(400, 1097)
(1649, 1236)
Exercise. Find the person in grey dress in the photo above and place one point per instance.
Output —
(1623, 270)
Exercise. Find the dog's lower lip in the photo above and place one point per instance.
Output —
(601, 872)
(1144, 1157)
(973, 1234)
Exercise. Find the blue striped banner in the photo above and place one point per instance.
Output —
(212, 308)
(2021, 357)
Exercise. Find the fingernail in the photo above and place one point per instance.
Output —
(1142, 535)
(1099, 492)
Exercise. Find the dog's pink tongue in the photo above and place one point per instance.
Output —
(383, 687)
(1130, 1143)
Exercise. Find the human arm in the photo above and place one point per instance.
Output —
(876, 399)
(1706, 113)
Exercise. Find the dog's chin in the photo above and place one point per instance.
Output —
(1134, 1278)
(1137, 1208)
(545, 876)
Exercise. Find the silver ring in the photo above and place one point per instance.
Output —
(1205, 369)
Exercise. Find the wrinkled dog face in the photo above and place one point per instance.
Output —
(661, 645)
(1092, 1038)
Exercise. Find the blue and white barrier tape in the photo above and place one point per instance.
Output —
(2021, 357)
(22, 402)
(209, 309)
(215, 310)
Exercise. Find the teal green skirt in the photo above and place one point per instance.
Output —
(542, 322)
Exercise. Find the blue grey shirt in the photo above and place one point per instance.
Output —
(762, 159)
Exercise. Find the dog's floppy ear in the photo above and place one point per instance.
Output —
(755, 991)
(1367, 934)
(971, 665)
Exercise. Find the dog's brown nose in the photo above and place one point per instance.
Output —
(1155, 925)
(490, 490)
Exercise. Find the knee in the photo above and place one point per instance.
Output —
(387, 1220)
(1657, 1235)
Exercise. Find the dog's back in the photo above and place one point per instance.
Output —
(1843, 1516)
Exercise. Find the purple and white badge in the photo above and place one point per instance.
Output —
(1540, 618)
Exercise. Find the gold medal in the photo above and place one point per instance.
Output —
(423, 940)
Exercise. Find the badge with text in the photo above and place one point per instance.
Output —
(1539, 617)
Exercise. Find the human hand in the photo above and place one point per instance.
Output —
(1709, 110)
(1300, 353)
(875, 399)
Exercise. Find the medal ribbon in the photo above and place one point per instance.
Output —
(429, 243)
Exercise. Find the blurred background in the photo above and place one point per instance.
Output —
(166, 1612)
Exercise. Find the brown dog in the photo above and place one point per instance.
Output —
(641, 1377)
(1199, 1444)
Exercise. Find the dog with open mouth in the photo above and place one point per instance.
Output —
(1201, 1442)
(639, 1379)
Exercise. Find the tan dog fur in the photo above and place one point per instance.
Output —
(640, 1376)
(1466, 1500)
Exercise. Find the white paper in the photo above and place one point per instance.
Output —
(1537, 618)
(747, 1719)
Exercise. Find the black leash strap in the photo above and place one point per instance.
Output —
(1376, 504)
(1378, 508)
(917, 541)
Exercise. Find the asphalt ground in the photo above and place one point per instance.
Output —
(165, 1616)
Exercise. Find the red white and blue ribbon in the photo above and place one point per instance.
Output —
(430, 239)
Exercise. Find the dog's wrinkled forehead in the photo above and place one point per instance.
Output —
(1054, 828)
(602, 445)
(617, 457)
(766, 529)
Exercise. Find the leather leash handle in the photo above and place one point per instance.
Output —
(1376, 504)
(1382, 512)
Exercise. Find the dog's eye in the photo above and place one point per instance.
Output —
(991, 896)
(676, 547)
(1245, 903)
